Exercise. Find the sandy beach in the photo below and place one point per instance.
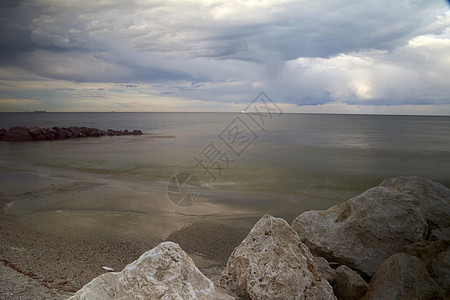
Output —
(49, 250)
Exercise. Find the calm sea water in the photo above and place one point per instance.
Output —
(328, 158)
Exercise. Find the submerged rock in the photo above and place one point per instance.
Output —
(164, 272)
(403, 276)
(273, 263)
(365, 230)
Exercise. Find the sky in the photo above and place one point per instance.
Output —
(335, 56)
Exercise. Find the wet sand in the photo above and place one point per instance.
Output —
(55, 236)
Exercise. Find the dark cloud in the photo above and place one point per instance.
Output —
(305, 52)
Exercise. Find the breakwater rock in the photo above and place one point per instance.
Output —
(34, 133)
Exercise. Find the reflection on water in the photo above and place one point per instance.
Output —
(300, 162)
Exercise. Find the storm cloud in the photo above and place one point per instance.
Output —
(222, 53)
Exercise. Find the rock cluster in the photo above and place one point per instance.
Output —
(364, 231)
(23, 133)
(391, 242)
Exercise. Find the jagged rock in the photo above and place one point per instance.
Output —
(17, 133)
(324, 267)
(164, 272)
(365, 230)
(432, 197)
(272, 263)
(403, 276)
(349, 284)
(136, 132)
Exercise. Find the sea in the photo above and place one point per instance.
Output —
(281, 164)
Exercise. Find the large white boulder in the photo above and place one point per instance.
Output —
(164, 272)
(273, 263)
(365, 230)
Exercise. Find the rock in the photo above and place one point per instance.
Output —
(94, 132)
(164, 272)
(76, 131)
(62, 133)
(403, 276)
(349, 284)
(436, 257)
(17, 133)
(440, 271)
(272, 263)
(67, 133)
(34, 130)
(3, 132)
(37, 133)
(324, 267)
(365, 230)
(432, 197)
(50, 134)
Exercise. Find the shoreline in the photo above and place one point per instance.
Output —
(60, 266)
(56, 249)
(56, 238)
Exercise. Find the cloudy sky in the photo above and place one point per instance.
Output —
(343, 56)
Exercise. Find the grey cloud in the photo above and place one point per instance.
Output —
(213, 43)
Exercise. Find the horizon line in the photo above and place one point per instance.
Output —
(233, 112)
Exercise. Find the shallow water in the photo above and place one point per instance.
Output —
(298, 162)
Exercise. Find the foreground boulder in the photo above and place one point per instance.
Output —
(365, 230)
(403, 276)
(272, 263)
(164, 272)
